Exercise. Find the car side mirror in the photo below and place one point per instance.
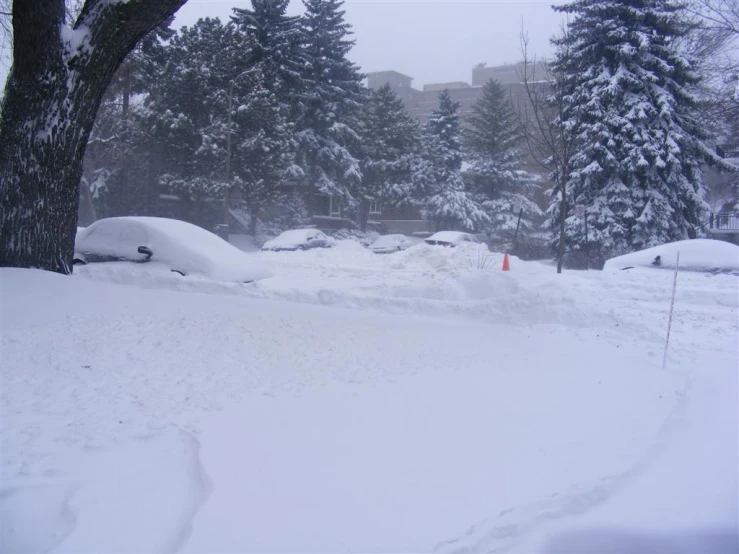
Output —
(146, 251)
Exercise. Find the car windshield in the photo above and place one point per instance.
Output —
(296, 235)
(388, 240)
(447, 236)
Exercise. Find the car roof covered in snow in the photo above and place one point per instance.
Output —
(696, 254)
(181, 245)
(450, 236)
(388, 240)
(293, 237)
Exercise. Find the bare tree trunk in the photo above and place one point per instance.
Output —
(363, 214)
(540, 115)
(58, 77)
(562, 222)
(86, 211)
(253, 219)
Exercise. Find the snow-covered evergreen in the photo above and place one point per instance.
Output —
(492, 144)
(446, 200)
(331, 102)
(120, 151)
(390, 148)
(262, 151)
(637, 168)
(274, 45)
(188, 111)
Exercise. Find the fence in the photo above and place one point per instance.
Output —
(724, 222)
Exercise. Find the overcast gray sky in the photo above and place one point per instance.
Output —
(430, 40)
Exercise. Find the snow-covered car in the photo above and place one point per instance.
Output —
(695, 255)
(299, 239)
(451, 238)
(168, 243)
(387, 244)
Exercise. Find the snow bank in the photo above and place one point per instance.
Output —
(464, 281)
(696, 254)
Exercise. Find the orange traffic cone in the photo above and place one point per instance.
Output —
(506, 265)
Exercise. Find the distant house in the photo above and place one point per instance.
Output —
(729, 152)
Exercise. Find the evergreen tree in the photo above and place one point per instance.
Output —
(447, 202)
(639, 149)
(498, 181)
(262, 157)
(390, 144)
(274, 44)
(331, 102)
(188, 112)
(118, 161)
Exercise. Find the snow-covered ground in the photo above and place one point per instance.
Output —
(419, 401)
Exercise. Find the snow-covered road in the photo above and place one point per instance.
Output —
(266, 417)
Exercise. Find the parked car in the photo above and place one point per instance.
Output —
(451, 238)
(387, 244)
(299, 239)
(167, 243)
(709, 255)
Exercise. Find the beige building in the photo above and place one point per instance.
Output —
(420, 103)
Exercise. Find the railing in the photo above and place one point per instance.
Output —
(728, 150)
(724, 222)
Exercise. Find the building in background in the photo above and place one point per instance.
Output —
(420, 103)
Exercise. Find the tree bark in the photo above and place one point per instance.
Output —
(562, 229)
(52, 94)
(86, 212)
(363, 214)
(253, 220)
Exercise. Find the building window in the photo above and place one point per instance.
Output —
(327, 205)
(335, 206)
(375, 207)
(322, 204)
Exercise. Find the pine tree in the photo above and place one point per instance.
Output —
(390, 144)
(274, 43)
(188, 112)
(447, 202)
(498, 181)
(628, 106)
(263, 149)
(331, 102)
(119, 157)
(266, 153)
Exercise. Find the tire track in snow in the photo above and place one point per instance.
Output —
(504, 531)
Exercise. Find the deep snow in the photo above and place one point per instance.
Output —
(449, 409)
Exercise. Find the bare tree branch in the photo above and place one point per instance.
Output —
(542, 118)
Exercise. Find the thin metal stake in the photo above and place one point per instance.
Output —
(672, 306)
